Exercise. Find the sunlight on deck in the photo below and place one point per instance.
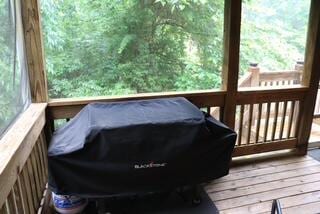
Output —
(295, 181)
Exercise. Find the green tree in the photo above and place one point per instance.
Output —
(97, 48)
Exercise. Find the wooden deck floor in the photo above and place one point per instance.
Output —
(295, 181)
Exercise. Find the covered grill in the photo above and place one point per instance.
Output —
(134, 147)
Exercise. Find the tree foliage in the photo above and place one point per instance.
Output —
(134, 46)
(10, 102)
(96, 47)
(129, 46)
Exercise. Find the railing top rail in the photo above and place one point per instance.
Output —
(16, 146)
(86, 100)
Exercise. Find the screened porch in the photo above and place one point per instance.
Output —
(272, 111)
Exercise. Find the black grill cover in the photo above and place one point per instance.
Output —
(136, 147)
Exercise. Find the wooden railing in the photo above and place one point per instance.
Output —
(270, 120)
(23, 164)
(265, 119)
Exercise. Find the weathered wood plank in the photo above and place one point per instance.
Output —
(269, 163)
(46, 208)
(23, 194)
(275, 119)
(283, 119)
(261, 179)
(43, 144)
(18, 198)
(37, 178)
(40, 166)
(264, 147)
(232, 23)
(249, 124)
(258, 123)
(258, 188)
(278, 94)
(31, 179)
(287, 203)
(266, 126)
(273, 76)
(240, 125)
(310, 208)
(268, 195)
(310, 77)
(3, 209)
(68, 108)
(26, 187)
(11, 203)
(16, 146)
(34, 50)
(269, 170)
(291, 115)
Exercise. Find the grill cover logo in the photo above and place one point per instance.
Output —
(149, 165)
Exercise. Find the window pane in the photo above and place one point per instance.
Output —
(132, 46)
(14, 94)
(273, 37)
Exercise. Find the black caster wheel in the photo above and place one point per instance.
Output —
(196, 201)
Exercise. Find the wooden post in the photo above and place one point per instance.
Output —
(310, 78)
(299, 66)
(34, 50)
(255, 82)
(255, 74)
(232, 22)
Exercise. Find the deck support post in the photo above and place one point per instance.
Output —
(34, 50)
(255, 74)
(310, 78)
(232, 22)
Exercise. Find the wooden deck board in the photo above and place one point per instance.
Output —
(269, 163)
(268, 170)
(295, 181)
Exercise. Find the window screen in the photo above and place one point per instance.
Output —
(14, 90)
(132, 46)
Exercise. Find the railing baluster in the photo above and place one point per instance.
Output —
(283, 119)
(43, 168)
(249, 123)
(295, 118)
(275, 119)
(7, 208)
(11, 203)
(25, 182)
(32, 183)
(240, 124)
(37, 179)
(40, 164)
(17, 198)
(258, 122)
(44, 153)
(290, 119)
(265, 137)
(22, 195)
(3, 209)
